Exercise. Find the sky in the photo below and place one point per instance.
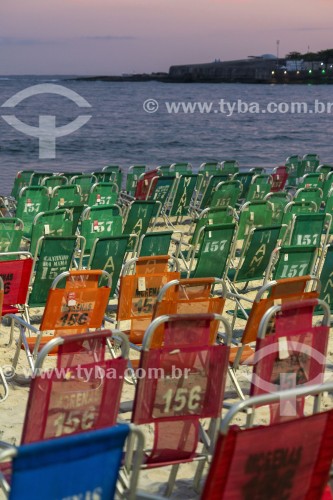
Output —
(112, 37)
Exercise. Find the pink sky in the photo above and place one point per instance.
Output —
(125, 36)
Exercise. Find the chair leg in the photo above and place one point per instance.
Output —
(235, 382)
(172, 479)
(198, 476)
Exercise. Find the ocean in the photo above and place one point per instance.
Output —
(121, 132)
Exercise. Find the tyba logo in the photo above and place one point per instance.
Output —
(46, 132)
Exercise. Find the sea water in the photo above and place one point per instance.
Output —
(121, 132)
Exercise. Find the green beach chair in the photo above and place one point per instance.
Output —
(31, 201)
(53, 181)
(245, 178)
(22, 179)
(109, 254)
(259, 187)
(140, 216)
(132, 178)
(51, 223)
(65, 196)
(103, 193)
(114, 174)
(179, 202)
(11, 234)
(279, 201)
(326, 276)
(211, 257)
(253, 214)
(230, 167)
(85, 182)
(314, 194)
(292, 261)
(100, 222)
(54, 255)
(203, 197)
(310, 229)
(226, 194)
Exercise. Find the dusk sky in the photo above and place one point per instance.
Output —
(125, 36)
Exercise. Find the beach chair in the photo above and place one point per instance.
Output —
(78, 394)
(85, 182)
(279, 201)
(113, 174)
(212, 251)
(31, 201)
(243, 465)
(109, 254)
(53, 181)
(75, 304)
(93, 460)
(133, 175)
(294, 354)
(174, 404)
(245, 179)
(260, 186)
(279, 178)
(38, 177)
(310, 229)
(146, 184)
(157, 243)
(295, 208)
(314, 180)
(138, 292)
(290, 261)
(255, 255)
(65, 196)
(313, 194)
(103, 193)
(253, 214)
(226, 194)
(192, 296)
(15, 273)
(310, 162)
(274, 292)
(54, 255)
(324, 169)
(11, 233)
(22, 179)
(51, 223)
(230, 167)
(205, 189)
(179, 202)
(100, 222)
(140, 216)
(161, 189)
(213, 215)
(181, 168)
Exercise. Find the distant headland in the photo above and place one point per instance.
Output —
(316, 68)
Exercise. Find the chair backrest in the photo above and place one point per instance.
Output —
(208, 187)
(85, 182)
(279, 200)
(308, 229)
(103, 193)
(108, 254)
(215, 251)
(79, 305)
(155, 243)
(245, 178)
(133, 175)
(275, 292)
(294, 261)
(115, 174)
(53, 181)
(140, 215)
(15, 274)
(248, 462)
(31, 201)
(214, 215)
(52, 223)
(181, 168)
(294, 354)
(192, 296)
(79, 394)
(55, 256)
(254, 214)
(22, 179)
(259, 187)
(279, 179)
(100, 222)
(138, 292)
(186, 383)
(11, 232)
(146, 184)
(92, 463)
(65, 196)
(327, 186)
(230, 166)
(315, 179)
(256, 253)
(182, 195)
(314, 194)
(226, 194)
